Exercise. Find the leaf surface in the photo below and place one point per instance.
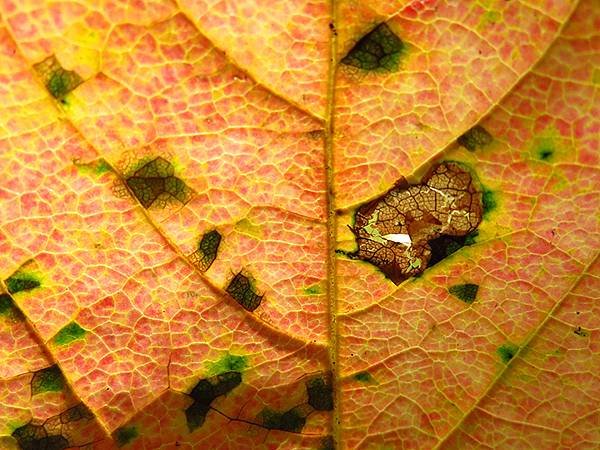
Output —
(185, 186)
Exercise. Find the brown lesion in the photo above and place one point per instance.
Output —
(394, 230)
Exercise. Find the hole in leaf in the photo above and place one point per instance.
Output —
(412, 227)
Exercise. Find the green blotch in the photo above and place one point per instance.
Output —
(292, 420)
(507, 352)
(475, 139)
(49, 379)
(471, 238)
(242, 289)
(320, 393)
(489, 201)
(465, 292)
(154, 183)
(69, 333)
(124, 435)
(21, 281)
(363, 377)
(379, 50)
(315, 289)
(228, 363)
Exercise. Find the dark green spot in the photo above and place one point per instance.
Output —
(228, 363)
(49, 379)
(545, 154)
(21, 281)
(292, 420)
(154, 183)
(69, 333)
(475, 139)
(465, 292)
(124, 435)
(207, 250)
(195, 415)
(35, 437)
(327, 443)
(488, 201)
(378, 50)
(320, 393)
(507, 352)
(57, 80)
(363, 377)
(8, 308)
(444, 246)
(205, 391)
(242, 290)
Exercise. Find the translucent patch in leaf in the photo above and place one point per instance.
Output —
(378, 50)
(153, 183)
(49, 379)
(228, 363)
(320, 393)
(22, 281)
(292, 420)
(475, 139)
(507, 352)
(466, 292)
(124, 435)
(69, 333)
(57, 80)
(208, 248)
(363, 377)
(242, 289)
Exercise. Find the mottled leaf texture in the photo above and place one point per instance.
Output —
(299, 224)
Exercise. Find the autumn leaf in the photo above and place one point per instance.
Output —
(300, 224)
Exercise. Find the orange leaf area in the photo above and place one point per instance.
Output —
(299, 224)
